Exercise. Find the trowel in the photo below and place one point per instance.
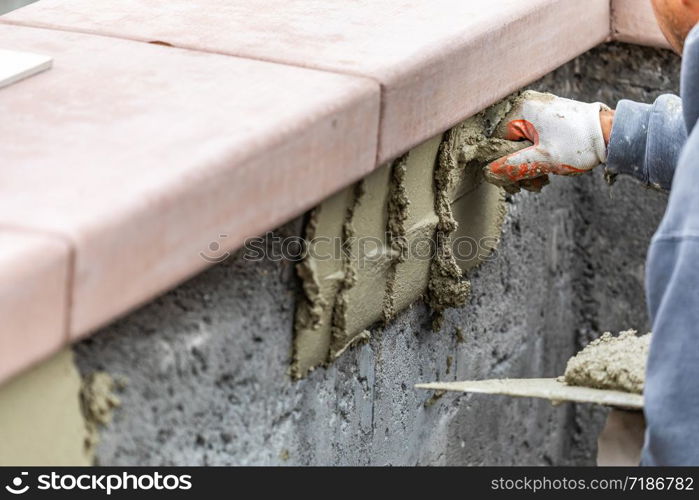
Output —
(552, 389)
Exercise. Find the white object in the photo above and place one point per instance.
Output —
(567, 135)
(16, 66)
(545, 388)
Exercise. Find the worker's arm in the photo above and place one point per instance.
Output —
(571, 138)
(672, 278)
(672, 274)
(646, 140)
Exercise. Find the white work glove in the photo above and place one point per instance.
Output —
(566, 135)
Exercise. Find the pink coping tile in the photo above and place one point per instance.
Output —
(438, 62)
(34, 271)
(633, 21)
(142, 155)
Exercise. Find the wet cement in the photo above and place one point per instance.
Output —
(410, 229)
(614, 363)
(322, 275)
(360, 302)
(98, 401)
(471, 211)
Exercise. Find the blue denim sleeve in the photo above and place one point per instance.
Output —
(672, 285)
(646, 140)
(672, 411)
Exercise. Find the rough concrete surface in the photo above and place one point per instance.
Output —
(207, 363)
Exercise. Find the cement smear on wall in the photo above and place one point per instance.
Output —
(361, 300)
(614, 363)
(41, 422)
(411, 227)
(322, 276)
(471, 211)
(98, 401)
(414, 241)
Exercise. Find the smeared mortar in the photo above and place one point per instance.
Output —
(412, 203)
(340, 338)
(398, 204)
(614, 363)
(321, 280)
(459, 182)
(396, 207)
(310, 312)
(98, 401)
(446, 287)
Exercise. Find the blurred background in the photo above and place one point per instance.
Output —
(8, 5)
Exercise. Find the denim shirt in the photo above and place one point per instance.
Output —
(659, 145)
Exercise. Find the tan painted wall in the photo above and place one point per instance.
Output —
(41, 422)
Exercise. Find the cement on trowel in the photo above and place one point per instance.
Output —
(615, 363)
(610, 371)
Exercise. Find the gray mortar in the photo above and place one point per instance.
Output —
(207, 363)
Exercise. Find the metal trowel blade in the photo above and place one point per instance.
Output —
(544, 388)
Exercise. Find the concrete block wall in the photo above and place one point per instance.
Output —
(207, 364)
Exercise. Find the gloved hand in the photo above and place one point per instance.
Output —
(567, 139)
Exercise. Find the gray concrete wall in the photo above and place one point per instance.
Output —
(207, 363)
(8, 5)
